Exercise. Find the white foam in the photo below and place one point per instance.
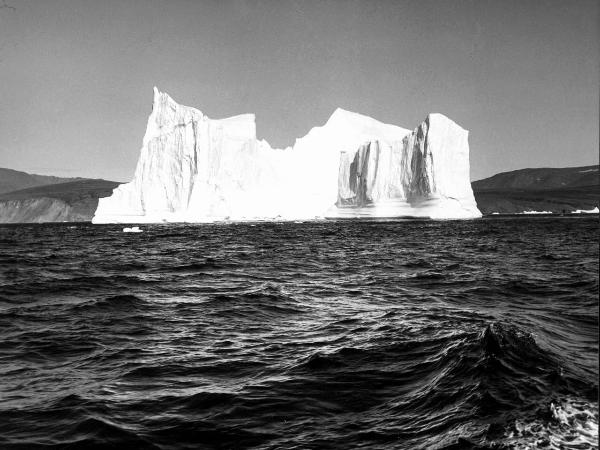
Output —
(573, 424)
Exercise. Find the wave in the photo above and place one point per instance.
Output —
(208, 265)
(324, 335)
(267, 300)
(124, 302)
(231, 368)
(492, 375)
(470, 389)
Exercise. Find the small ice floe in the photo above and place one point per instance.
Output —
(586, 211)
(535, 212)
(132, 230)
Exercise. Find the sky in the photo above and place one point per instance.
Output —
(76, 77)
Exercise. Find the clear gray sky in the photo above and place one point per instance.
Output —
(76, 76)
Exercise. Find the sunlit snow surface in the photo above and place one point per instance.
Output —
(194, 169)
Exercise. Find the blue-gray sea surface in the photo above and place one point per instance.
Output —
(334, 335)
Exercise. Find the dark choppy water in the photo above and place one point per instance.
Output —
(314, 335)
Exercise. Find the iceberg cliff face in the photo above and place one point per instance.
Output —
(194, 169)
(426, 174)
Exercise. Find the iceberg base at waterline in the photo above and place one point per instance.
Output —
(195, 169)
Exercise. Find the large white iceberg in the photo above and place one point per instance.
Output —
(195, 169)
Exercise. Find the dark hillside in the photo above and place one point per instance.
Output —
(554, 190)
(540, 179)
(13, 180)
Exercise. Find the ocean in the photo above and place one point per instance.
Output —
(316, 335)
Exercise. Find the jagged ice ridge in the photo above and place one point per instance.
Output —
(195, 169)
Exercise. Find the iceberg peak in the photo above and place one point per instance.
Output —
(440, 118)
(368, 128)
(160, 98)
(345, 118)
(344, 115)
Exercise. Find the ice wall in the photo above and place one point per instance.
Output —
(424, 175)
(194, 169)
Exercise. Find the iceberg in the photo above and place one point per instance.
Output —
(586, 211)
(195, 169)
(132, 230)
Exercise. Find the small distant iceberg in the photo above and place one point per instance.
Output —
(132, 230)
(586, 211)
(536, 212)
